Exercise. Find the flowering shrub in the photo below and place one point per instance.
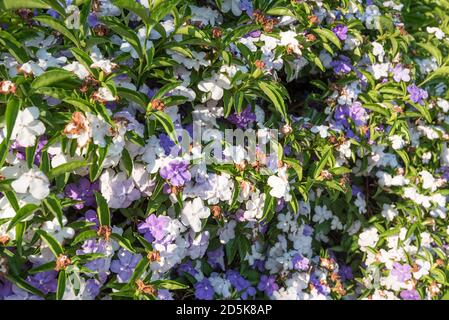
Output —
(120, 177)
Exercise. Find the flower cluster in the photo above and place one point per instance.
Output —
(110, 108)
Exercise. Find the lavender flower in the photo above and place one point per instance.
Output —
(417, 95)
(401, 272)
(300, 263)
(44, 281)
(410, 295)
(176, 172)
(341, 31)
(154, 228)
(267, 284)
(82, 191)
(124, 265)
(342, 65)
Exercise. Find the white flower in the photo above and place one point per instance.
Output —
(215, 85)
(389, 211)
(397, 142)
(437, 31)
(27, 127)
(73, 17)
(99, 129)
(233, 5)
(47, 60)
(378, 50)
(193, 212)
(380, 70)
(428, 180)
(280, 187)
(57, 231)
(78, 128)
(105, 65)
(103, 95)
(321, 129)
(33, 181)
(78, 69)
(288, 39)
(368, 238)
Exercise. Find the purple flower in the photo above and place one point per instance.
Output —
(91, 216)
(187, 267)
(92, 20)
(82, 191)
(177, 172)
(300, 263)
(5, 287)
(246, 5)
(341, 31)
(401, 272)
(204, 290)
(345, 273)
(93, 287)
(44, 281)
(166, 143)
(267, 284)
(342, 65)
(100, 265)
(124, 265)
(154, 228)
(164, 294)
(308, 230)
(240, 283)
(37, 154)
(417, 95)
(216, 258)
(410, 295)
(244, 119)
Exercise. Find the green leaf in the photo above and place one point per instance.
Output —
(17, 4)
(434, 51)
(85, 235)
(127, 162)
(53, 205)
(166, 88)
(104, 216)
(66, 167)
(54, 77)
(58, 26)
(43, 267)
(14, 47)
(133, 96)
(133, 6)
(23, 213)
(61, 285)
(275, 97)
(166, 122)
(268, 209)
(123, 242)
(169, 285)
(126, 33)
(322, 163)
(12, 110)
(21, 283)
(139, 270)
(328, 35)
(52, 243)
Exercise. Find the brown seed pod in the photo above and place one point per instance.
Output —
(62, 262)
